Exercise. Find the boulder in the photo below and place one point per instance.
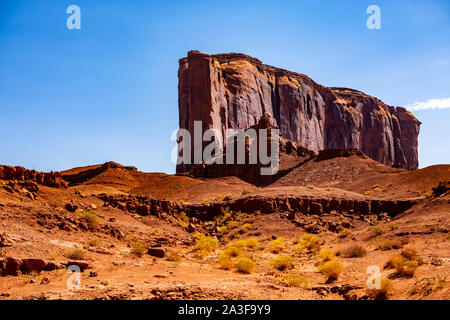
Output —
(158, 252)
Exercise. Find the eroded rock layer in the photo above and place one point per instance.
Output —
(235, 91)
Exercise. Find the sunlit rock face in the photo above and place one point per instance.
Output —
(235, 91)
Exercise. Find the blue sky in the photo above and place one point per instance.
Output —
(109, 91)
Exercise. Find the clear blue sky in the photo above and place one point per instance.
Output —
(109, 91)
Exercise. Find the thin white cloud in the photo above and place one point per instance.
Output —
(430, 104)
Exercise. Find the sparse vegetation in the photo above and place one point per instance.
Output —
(344, 233)
(245, 265)
(223, 229)
(138, 249)
(251, 243)
(225, 261)
(75, 254)
(295, 280)
(282, 262)
(277, 245)
(245, 191)
(407, 262)
(331, 269)
(368, 192)
(90, 217)
(173, 255)
(353, 251)
(205, 245)
(326, 255)
(392, 226)
(310, 242)
(295, 240)
(240, 244)
(232, 251)
(386, 244)
(386, 287)
(375, 231)
(310, 186)
(228, 197)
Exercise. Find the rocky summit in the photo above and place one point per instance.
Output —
(235, 91)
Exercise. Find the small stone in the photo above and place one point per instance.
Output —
(45, 281)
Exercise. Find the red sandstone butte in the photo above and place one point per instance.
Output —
(235, 91)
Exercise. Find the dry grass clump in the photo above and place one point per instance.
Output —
(240, 244)
(331, 269)
(251, 243)
(232, 251)
(75, 254)
(386, 287)
(386, 244)
(91, 218)
(375, 231)
(353, 251)
(326, 255)
(205, 245)
(344, 233)
(228, 197)
(225, 261)
(295, 240)
(407, 262)
(392, 225)
(138, 248)
(282, 262)
(310, 242)
(295, 280)
(173, 255)
(245, 265)
(222, 229)
(277, 245)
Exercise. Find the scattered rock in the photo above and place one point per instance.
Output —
(157, 252)
(45, 281)
(71, 207)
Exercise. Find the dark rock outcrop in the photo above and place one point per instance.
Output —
(235, 91)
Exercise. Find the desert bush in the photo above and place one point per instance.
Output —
(138, 248)
(247, 226)
(282, 262)
(331, 269)
(386, 244)
(295, 240)
(223, 229)
(245, 191)
(344, 233)
(326, 255)
(295, 280)
(368, 192)
(75, 254)
(90, 218)
(310, 242)
(310, 186)
(386, 287)
(411, 253)
(205, 245)
(225, 261)
(173, 255)
(245, 265)
(353, 251)
(277, 245)
(392, 225)
(240, 244)
(375, 231)
(232, 251)
(251, 243)
(233, 224)
(227, 197)
(403, 266)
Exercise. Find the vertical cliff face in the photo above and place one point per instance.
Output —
(235, 91)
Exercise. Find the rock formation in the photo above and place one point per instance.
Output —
(235, 91)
